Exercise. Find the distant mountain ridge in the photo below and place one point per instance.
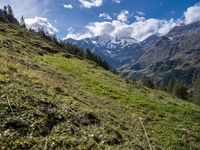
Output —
(175, 56)
(116, 51)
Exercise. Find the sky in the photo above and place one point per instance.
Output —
(80, 19)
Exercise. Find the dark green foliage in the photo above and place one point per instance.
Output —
(170, 86)
(160, 86)
(92, 56)
(9, 11)
(85, 53)
(8, 15)
(92, 118)
(22, 22)
(5, 10)
(147, 82)
(196, 91)
(42, 33)
(180, 91)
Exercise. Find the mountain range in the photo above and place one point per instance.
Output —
(175, 56)
(161, 58)
(116, 51)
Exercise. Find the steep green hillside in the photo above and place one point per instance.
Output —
(57, 101)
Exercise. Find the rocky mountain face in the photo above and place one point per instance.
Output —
(116, 51)
(175, 56)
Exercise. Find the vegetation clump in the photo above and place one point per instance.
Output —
(196, 91)
(180, 91)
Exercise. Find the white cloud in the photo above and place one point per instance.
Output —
(38, 23)
(123, 16)
(68, 6)
(142, 27)
(140, 30)
(138, 18)
(117, 1)
(71, 34)
(192, 14)
(99, 28)
(91, 3)
(78, 36)
(105, 16)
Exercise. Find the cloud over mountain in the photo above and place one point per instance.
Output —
(140, 29)
(192, 14)
(39, 23)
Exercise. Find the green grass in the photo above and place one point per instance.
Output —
(70, 103)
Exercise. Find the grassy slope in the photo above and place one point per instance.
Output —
(62, 102)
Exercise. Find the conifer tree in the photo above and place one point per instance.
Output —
(180, 91)
(10, 11)
(22, 22)
(196, 91)
(147, 82)
(5, 10)
(170, 86)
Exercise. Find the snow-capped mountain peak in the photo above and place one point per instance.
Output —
(116, 50)
(102, 40)
(108, 41)
(124, 39)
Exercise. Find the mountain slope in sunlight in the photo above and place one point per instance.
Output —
(53, 100)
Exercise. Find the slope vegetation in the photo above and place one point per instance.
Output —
(52, 100)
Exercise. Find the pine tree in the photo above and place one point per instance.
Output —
(147, 82)
(22, 22)
(88, 54)
(170, 86)
(5, 10)
(196, 91)
(2, 15)
(9, 11)
(9, 15)
(180, 91)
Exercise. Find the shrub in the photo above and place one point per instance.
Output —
(196, 91)
(180, 91)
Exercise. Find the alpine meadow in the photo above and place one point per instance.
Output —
(125, 81)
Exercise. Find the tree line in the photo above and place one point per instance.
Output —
(177, 89)
(85, 53)
(7, 15)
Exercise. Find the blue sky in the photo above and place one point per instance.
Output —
(77, 17)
